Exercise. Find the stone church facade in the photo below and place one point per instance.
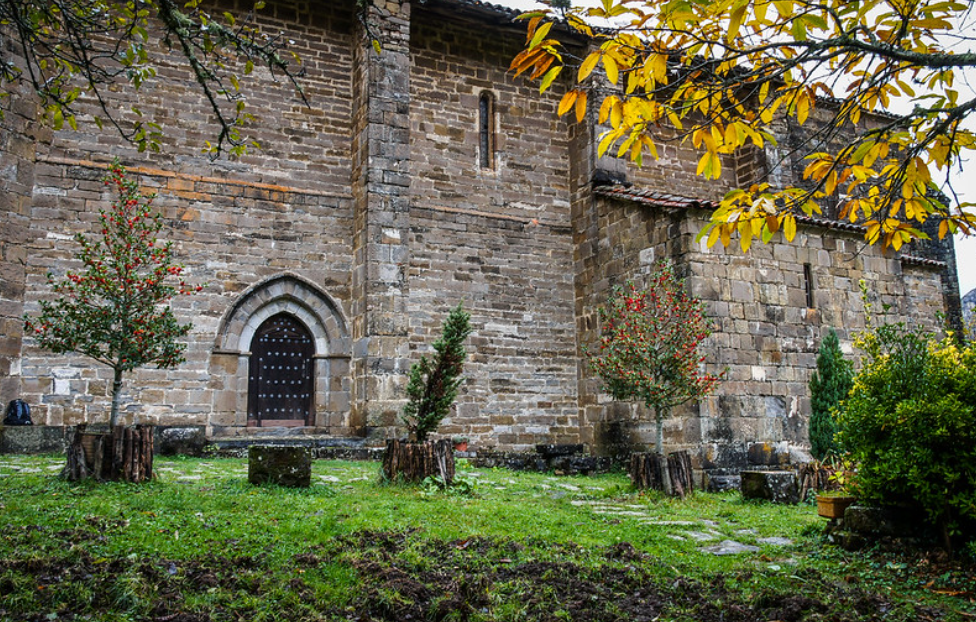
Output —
(423, 177)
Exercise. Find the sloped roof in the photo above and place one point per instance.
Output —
(676, 202)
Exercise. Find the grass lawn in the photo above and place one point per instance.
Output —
(200, 543)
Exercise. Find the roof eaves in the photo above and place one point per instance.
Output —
(672, 201)
(915, 260)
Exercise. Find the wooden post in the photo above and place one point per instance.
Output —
(415, 462)
(126, 454)
(671, 474)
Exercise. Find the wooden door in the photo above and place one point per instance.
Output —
(282, 377)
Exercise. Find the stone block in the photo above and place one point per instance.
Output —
(775, 486)
(285, 466)
(31, 439)
(181, 441)
(722, 483)
(769, 454)
(886, 521)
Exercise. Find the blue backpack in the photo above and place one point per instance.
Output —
(18, 413)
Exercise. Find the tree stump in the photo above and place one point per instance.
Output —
(125, 454)
(815, 476)
(284, 466)
(415, 462)
(671, 474)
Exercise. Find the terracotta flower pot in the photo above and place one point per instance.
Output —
(833, 506)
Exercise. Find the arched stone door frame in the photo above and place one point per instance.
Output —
(230, 361)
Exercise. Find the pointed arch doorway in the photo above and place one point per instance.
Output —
(281, 380)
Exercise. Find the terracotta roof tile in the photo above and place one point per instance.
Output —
(915, 260)
(673, 201)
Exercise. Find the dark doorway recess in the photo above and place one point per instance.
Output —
(282, 378)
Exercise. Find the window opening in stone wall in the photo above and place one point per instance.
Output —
(808, 284)
(282, 378)
(486, 125)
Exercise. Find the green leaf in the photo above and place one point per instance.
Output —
(548, 78)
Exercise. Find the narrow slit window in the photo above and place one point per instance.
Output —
(808, 284)
(486, 126)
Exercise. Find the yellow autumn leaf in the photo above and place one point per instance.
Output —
(611, 67)
(789, 227)
(581, 107)
(586, 68)
(566, 103)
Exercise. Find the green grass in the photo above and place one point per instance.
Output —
(200, 543)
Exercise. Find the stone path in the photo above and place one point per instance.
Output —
(716, 538)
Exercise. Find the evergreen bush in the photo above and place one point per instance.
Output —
(434, 381)
(910, 425)
(829, 384)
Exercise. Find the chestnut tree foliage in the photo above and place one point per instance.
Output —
(72, 51)
(115, 310)
(648, 348)
(721, 73)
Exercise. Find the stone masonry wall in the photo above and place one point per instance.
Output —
(382, 170)
(766, 335)
(511, 276)
(284, 209)
(496, 238)
(230, 236)
(297, 142)
(454, 63)
(19, 133)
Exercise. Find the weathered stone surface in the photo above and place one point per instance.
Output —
(888, 521)
(185, 441)
(775, 486)
(722, 482)
(284, 466)
(560, 465)
(769, 454)
(551, 450)
(730, 547)
(32, 439)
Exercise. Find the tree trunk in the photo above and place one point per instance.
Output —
(415, 462)
(116, 395)
(124, 455)
(671, 474)
(659, 431)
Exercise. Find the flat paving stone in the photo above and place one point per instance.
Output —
(670, 523)
(775, 541)
(746, 532)
(729, 547)
(701, 536)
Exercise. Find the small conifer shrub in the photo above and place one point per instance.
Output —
(830, 384)
(434, 381)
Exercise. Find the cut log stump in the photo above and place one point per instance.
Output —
(125, 454)
(285, 466)
(414, 462)
(671, 474)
